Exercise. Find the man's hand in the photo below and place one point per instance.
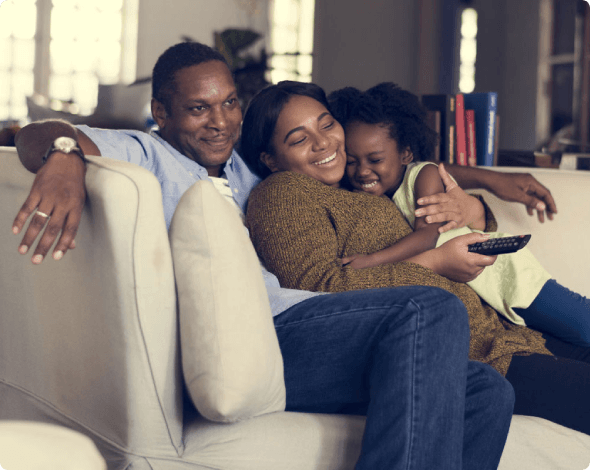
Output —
(524, 188)
(454, 206)
(58, 192)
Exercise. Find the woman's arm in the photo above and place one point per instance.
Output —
(297, 241)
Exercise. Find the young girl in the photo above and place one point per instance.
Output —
(385, 130)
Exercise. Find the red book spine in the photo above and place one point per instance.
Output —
(470, 131)
(460, 130)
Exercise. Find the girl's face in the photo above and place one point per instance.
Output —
(308, 140)
(374, 163)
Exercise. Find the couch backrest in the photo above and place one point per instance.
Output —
(91, 341)
(560, 245)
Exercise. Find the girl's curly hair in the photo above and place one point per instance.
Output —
(388, 105)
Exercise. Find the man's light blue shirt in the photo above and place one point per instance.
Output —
(176, 173)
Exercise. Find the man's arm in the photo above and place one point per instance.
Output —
(513, 187)
(58, 190)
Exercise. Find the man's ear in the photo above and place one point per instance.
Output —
(407, 156)
(159, 113)
(269, 161)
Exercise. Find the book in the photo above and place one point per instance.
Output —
(445, 104)
(433, 121)
(485, 107)
(461, 142)
(470, 137)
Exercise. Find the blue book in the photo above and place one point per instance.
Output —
(485, 106)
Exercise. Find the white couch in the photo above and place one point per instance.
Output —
(92, 342)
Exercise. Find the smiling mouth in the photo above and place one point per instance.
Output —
(326, 160)
(369, 185)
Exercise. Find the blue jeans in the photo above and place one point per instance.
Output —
(559, 312)
(400, 356)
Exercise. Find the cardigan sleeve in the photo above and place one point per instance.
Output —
(296, 239)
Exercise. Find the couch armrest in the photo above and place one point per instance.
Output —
(90, 341)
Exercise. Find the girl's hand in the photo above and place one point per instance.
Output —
(453, 260)
(358, 261)
(454, 206)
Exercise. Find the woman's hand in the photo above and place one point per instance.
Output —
(453, 259)
(454, 206)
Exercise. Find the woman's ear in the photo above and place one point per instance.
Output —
(407, 156)
(269, 161)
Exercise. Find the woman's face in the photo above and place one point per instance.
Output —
(374, 163)
(308, 140)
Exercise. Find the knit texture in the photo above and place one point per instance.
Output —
(301, 228)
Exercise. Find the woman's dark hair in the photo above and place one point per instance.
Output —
(389, 105)
(262, 115)
(173, 59)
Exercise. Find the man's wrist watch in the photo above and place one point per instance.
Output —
(64, 145)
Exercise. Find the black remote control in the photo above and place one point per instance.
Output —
(499, 246)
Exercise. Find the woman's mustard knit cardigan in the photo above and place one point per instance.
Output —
(301, 227)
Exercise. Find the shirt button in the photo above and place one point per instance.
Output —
(190, 173)
(235, 190)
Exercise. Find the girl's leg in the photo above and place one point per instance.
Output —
(559, 312)
(553, 388)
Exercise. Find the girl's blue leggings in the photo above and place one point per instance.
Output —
(559, 312)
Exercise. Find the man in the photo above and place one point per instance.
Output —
(399, 355)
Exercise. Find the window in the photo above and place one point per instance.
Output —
(291, 40)
(468, 50)
(62, 50)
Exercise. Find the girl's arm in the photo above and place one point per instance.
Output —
(424, 237)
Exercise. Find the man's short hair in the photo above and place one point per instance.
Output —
(175, 58)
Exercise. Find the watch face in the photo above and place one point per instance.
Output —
(65, 144)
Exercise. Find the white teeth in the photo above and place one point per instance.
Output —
(369, 185)
(329, 159)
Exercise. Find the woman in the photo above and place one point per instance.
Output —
(302, 224)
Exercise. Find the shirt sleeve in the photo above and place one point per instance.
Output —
(131, 146)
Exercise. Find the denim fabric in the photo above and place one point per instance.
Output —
(561, 313)
(400, 356)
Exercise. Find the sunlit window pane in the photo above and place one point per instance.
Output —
(468, 50)
(24, 55)
(291, 40)
(4, 85)
(60, 87)
(5, 54)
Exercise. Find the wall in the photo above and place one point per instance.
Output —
(162, 23)
(361, 43)
(507, 63)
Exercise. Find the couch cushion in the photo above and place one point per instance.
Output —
(230, 354)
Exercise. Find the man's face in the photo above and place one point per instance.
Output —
(205, 115)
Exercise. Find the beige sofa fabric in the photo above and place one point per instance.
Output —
(91, 341)
(231, 359)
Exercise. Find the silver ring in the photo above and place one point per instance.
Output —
(43, 214)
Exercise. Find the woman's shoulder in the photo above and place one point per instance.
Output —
(288, 183)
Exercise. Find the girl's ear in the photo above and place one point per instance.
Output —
(407, 156)
(269, 161)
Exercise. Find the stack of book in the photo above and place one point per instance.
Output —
(467, 124)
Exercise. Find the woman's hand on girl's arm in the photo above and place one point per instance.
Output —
(453, 259)
(453, 206)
